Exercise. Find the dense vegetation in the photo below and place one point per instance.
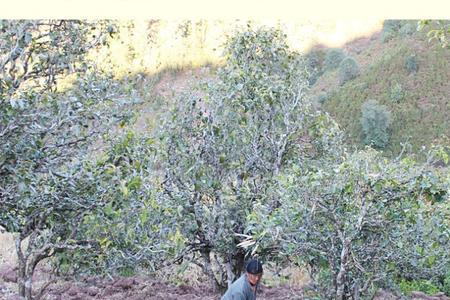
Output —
(47, 187)
(248, 167)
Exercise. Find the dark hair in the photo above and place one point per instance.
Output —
(254, 266)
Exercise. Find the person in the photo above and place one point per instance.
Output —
(246, 286)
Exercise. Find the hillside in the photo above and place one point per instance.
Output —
(142, 177)
(418, 98)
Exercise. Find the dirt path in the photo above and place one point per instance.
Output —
(137, 288)
(130, 288)
(148, 288)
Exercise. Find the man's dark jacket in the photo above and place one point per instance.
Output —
(240, 290)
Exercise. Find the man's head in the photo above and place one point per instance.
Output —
(254, 271)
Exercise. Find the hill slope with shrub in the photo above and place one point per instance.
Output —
(402, 71)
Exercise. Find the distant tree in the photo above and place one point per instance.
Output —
(397, 93)
(322, 97)
(411, 64)
(375, 122)
(314, 65)
(333, 58)
(406, 29)
(348, 70)
(390, 29)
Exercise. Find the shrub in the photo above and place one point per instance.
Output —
(411, 64)
(321, 97)
(127, 271)
(375, 122)
(362, 196)
(406, 29)
(425, 286)
(316, 58)
(314, 62)
(259, 89)
(387, 58)
(397, 94)
(333, 58)
(348, 69)
(46, 187)
(446, 285)
(390, 29)
(392, 24)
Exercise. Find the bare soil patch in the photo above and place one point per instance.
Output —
(132, 288)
